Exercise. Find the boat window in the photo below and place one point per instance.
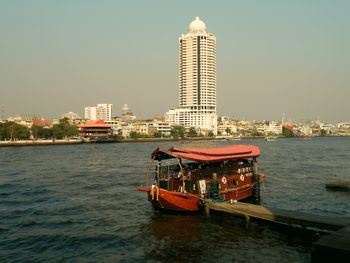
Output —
(169, 171)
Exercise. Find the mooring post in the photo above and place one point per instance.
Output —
(247, 221)
(206, 208)
(256, 178)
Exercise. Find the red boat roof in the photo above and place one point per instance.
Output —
(208, 154)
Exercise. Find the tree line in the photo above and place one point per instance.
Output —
(14, 131)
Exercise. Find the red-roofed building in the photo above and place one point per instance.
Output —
(97, 131)
(43, 123)
(288, 126)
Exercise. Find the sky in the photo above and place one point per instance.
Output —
(274, 57)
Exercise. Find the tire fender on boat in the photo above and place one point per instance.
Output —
(224, 180)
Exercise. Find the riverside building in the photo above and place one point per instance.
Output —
(197, 80)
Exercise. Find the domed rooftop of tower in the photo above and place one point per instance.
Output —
(125, 107)
(197, 25)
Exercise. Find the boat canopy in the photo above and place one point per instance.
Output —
(208, 154)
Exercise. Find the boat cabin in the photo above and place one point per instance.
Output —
(202, 178)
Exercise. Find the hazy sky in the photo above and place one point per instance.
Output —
(273, 57)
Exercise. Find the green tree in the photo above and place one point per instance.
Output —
(177, 132)
(211, 134)
(64, 129)
(228, 131)
(39, 132)
(2, 131)
(287, 132)
(136, 135)
(255, 132)
(192, 132)
(13, 131)
(157, 135)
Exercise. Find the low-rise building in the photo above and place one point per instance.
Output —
(327, 128)
(227, 127)
(274, 127)
(126, 130)
(162, 127)
(43, 123)
(203, 120)
(24, 119)
(143, 127)
(70, 116)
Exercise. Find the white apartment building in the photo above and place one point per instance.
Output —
(143, 127)
(275, 127)
(197, 80)
(162, 127)
(226, 126)
(90, 113)
(343, 125)
(327, 127)
(99, 112)
(104, 111)
(70, 115)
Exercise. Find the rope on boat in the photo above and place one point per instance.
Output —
(242, 189)
(148, 171)
(158, 180)
(158, 191)
(182, 175)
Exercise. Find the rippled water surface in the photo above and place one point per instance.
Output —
(79, 203)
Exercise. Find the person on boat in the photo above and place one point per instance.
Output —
(214, 188)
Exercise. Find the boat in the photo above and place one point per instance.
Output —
(303, 136)
(234, 138)
(229, 138)
(270, 138)
(184, 177)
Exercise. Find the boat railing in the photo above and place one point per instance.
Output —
(173, 171)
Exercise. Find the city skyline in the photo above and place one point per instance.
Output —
(272, 57)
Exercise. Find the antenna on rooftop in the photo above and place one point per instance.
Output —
(3, 112)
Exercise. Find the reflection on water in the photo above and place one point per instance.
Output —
(220, 237)
(79, 203)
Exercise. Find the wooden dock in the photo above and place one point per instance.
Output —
(291, 218)
(338, 185)
(333, 246)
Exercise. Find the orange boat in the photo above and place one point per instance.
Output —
(224, 173)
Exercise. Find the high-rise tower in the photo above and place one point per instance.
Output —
(197, 80)
(197, 68)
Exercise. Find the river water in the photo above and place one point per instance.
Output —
(79, 203)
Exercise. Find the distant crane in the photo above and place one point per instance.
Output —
(2, 112)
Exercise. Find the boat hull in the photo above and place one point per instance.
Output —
(174, 201)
